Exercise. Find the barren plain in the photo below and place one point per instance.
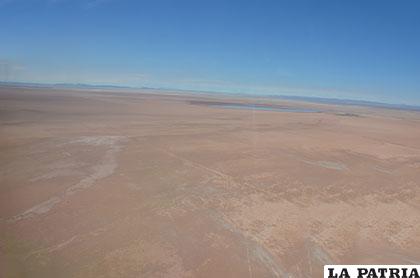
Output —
(158, 184)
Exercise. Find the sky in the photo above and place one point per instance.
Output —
(358, 49)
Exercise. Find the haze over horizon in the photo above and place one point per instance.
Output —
(352, 50)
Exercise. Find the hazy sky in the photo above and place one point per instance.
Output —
(348, 49)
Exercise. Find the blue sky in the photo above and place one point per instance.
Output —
(359, 49)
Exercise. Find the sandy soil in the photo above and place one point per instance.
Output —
(108, 184)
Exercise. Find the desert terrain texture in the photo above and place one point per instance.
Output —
(100, 183)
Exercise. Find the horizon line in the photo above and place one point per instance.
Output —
(312, 99)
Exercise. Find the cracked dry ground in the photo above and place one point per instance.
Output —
(122, 184)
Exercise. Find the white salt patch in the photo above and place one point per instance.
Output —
(328, 164)
(103, 169)
(38, 209)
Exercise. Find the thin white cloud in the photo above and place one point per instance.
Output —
(10, 70)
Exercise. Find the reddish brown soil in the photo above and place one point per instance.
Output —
(124, 184)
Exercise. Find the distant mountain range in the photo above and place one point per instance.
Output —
(64, 85)
(350, 102)
(285, 97)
